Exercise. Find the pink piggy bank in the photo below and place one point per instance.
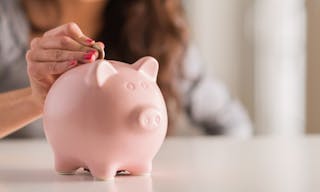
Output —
(106, 116)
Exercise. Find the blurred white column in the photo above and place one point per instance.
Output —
(280, 38)
(218, 29)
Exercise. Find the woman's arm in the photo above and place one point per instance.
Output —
(49, 56)
(17, 109)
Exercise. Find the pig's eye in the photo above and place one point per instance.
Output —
(144, 85)
(130, 86)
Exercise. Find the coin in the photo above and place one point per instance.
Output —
(100, 51)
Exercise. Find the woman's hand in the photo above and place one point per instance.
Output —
(57, 51)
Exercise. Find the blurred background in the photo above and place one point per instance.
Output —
(265, 51)
(266, 54)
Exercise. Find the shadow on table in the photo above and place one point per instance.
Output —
(40, 176)
(43, 178)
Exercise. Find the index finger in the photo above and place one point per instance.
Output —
(72, 30)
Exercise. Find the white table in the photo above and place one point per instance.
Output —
(184, 164)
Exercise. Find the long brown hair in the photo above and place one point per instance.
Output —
(133, 29)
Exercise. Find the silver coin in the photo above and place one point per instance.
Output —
(100, 51)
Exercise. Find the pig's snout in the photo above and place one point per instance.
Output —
(149, 118)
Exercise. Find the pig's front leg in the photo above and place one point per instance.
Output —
(103, 171)
(141, 169)
(65, 166)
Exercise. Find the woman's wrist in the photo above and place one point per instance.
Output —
(35, 102)
(28, 98)
(17, 109)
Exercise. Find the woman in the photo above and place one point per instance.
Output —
(130, 30)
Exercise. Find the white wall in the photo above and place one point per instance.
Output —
(280, 39)
(221, 31)
(258, 49)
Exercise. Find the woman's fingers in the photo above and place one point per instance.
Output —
(100, 44)
(72, 30)
(41, 69)
(63, 43)
(67, 37)
(57, 51)
(56, 55)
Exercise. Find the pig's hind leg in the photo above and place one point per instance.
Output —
(140, 169)
(103, 171)
(65, 166)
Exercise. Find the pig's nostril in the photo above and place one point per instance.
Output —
(157, 120)
(147, 121)
(149, 118)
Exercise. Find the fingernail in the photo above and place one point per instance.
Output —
(73, 63)
(88, 56)
(89, 41)
(95, 53)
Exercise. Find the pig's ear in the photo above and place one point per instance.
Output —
(100, 72)
(148, 66)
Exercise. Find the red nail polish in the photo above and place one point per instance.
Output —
(89, 41)
(88, 56)
(73, 62)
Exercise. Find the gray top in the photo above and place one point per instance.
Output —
(207, 101)
(14, 38)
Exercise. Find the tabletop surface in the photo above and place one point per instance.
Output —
(183, 164)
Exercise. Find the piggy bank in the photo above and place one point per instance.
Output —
(106, 116)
